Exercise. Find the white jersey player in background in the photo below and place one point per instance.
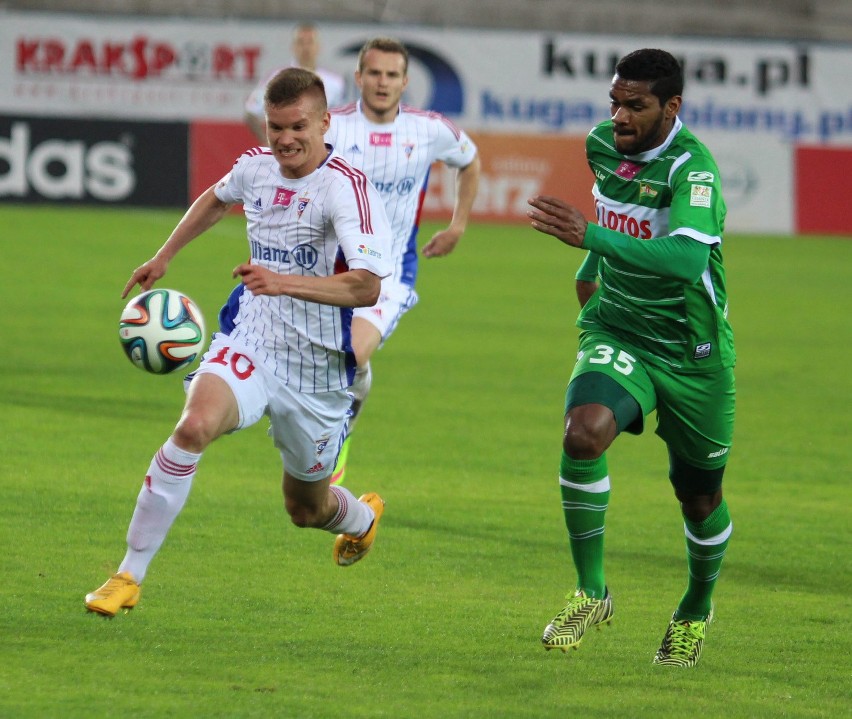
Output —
(305, 48)
(395, 145)
(319, 241)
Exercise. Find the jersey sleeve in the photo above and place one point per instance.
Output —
(361, 225)
(230, 188)
(697, 208)
(588, 270)
(454, 146)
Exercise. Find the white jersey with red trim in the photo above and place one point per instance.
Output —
(328, 222)
(397, 157)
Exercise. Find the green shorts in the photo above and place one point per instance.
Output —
(695, 412)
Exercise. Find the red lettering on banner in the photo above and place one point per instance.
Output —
(113, 57)
(223, 61)
(84, 57)
(250, 56)
(54, 53)
(164, 57)
(27, 50)
(140, 58)
(140, 70)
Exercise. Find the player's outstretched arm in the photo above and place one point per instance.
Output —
(205, 212)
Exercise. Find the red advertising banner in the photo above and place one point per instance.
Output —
(213, 149)
(822, 174)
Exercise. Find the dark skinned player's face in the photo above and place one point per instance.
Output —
(640, 123)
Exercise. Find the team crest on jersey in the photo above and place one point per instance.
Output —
(302, 204)
(321, 445)
(381, 139)
(628, 170)
(645, 190)
(700, 196)
(283, 196)
(408, 148)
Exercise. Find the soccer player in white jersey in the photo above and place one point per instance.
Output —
(305, 47)
(654, 337)
(319, 242)
(395, 145)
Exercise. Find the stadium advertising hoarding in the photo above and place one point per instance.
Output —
(754, 103)
(88, 161)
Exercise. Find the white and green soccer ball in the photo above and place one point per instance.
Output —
(161, 331)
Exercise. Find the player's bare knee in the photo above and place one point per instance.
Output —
(580, 443)
(697, 507)
(194, 432)
(589, 430)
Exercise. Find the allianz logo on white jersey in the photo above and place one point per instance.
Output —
(303, 255)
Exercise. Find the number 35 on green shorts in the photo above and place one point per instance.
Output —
(695, 411)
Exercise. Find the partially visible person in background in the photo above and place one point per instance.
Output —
(305, 48)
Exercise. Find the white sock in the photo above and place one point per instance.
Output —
(359, 390)
(160, 500)
(353, 517)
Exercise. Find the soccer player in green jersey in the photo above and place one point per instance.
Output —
(654, 336)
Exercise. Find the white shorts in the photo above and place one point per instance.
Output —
(395, 300)
(307, 429)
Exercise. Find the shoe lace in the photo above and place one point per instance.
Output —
(575, 602)
(682, 637)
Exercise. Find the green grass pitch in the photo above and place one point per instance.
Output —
(243, 615)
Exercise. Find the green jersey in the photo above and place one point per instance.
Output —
(658, 213)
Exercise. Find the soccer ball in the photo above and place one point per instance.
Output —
(161, 331)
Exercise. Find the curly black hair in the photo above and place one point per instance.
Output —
(659, 68)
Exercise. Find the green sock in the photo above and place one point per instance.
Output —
(585, 496)
(706, 543)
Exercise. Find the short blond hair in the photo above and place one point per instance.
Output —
(290, 84)
(384, 44)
